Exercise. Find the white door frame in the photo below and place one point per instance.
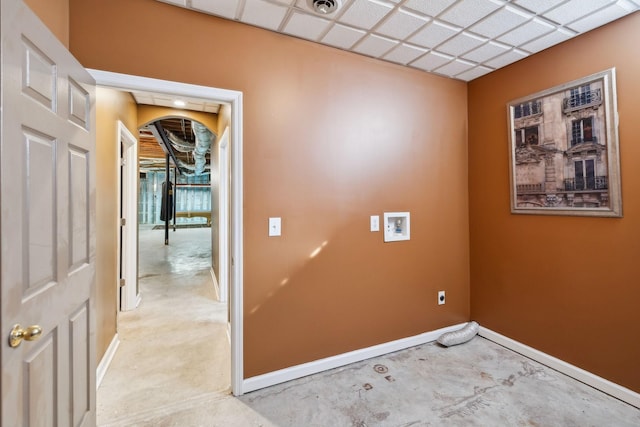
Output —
(223, 215)
(129, 295)
(234, 99)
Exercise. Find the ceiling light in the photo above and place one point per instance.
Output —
(324, 7)
(179, 103)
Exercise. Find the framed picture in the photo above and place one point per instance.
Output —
(563, 144)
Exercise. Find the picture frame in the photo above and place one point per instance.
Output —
(564, 150)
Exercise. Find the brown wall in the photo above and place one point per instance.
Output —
(111, 106)
(330, 138)
(55, 15)
(568, 286)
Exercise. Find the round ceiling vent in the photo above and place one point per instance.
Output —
(324, 7)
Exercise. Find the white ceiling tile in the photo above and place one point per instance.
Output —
(305, 26)
(365, 13)
(466, 12)
(467, 37)
(507, 58)
(528, 31)
(401, 24)
(486, 52)
(263, 14)
(225, 9)
(500, 22)
(548, 40)
(403, 54)
(574, 9)
(182, 3)
(431, 8)
(630, 5)
(162, 98)
(196, 106)
(163, 103)
(538, 6)
(455, 67)
(433, 34)
(343, 37)
(602, 17)
(473, 73)
(375, 46)
(431, 60)
(460, 44)
(142, 97)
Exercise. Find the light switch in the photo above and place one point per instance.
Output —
(375, 223)
(275, 226)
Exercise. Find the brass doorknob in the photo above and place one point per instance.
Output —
(18, 334)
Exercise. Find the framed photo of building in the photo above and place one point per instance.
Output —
(564, 157)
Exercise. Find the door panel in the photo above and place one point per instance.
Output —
(79, 207)
(40, 394)
(39, 75)
(79, 327)
(47, 199)
(40, 237)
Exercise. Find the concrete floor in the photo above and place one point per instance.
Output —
(172, 369)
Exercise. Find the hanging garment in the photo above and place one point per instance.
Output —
(163, 206)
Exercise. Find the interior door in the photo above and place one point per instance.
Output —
(47, 199)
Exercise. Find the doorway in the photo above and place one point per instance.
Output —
(234, 247)
(129, 294)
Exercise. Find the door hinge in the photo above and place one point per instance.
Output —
(122, 283)
(232, 263)
(123, 222)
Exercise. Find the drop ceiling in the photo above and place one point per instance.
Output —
(461, 39)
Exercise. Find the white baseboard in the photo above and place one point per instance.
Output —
(216, 287)
(606, 386)
(106, 360)
(299, 371)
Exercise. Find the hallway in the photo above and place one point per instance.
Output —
(172, 369)
(174, 347)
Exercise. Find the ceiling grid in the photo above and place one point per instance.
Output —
(460, 39)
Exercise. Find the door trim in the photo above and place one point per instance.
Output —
(130, 297)
(223, 214)
(234, 100)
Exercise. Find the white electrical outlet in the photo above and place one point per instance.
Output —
(275, 226)
(441, 297)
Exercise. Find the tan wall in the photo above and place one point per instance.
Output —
(111, 106)
(149, 113)
(55, 15)
(330, 138)
(568, 286)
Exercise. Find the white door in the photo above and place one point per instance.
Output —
(47, 199)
